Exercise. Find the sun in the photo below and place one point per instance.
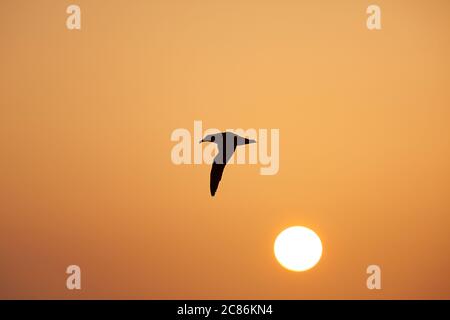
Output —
(298, 248)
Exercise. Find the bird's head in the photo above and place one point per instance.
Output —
(208, 138)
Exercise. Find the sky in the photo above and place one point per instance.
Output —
(86, 176)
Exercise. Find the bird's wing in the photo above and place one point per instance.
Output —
(216, 176)
(240, 141)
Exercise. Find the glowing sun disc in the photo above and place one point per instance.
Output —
(298, 248)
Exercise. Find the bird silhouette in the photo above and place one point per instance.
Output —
(226, 143)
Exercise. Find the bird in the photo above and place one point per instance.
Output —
(226, 143)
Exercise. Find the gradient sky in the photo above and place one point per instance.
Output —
(85, 170)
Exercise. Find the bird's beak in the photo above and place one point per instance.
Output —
(201, 141)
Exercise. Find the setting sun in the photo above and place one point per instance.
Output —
(298, 248)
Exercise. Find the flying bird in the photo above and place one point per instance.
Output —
(226, 143)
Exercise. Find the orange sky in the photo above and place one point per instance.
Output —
(85, 124)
